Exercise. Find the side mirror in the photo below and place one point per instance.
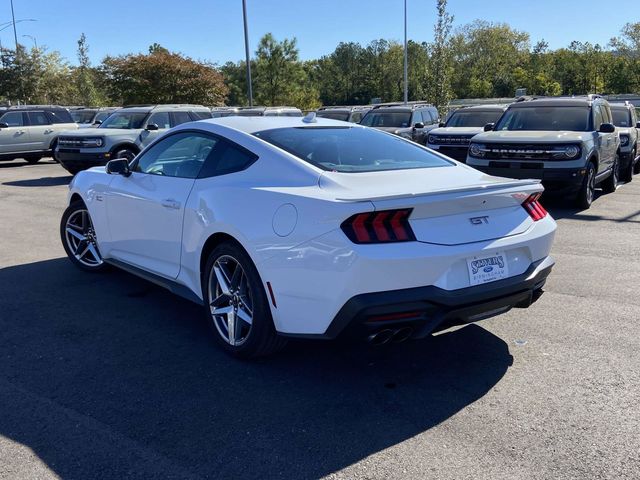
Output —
(638, 125)
(6, 125)
(607, 128)
(489, 127)
(441, 124)
(152, 126)
(418, 125)
(98, 122)
(118, 166)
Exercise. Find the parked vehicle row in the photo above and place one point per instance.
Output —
(91, 117)
(412, 120)
(311, 227)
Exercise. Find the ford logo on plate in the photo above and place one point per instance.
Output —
(487, 269)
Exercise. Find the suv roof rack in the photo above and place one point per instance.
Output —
(351, 107)
(414, 104)
(158, 105)
(25, 107)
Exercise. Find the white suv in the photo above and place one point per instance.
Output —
(31, 132)
(122, 135)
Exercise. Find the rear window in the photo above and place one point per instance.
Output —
(573, 119)
(387, 119)
(621, 117)
(351, 149)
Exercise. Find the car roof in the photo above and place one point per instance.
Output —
(160, 108)
(554, 102)
(482, 107)
(252, 125)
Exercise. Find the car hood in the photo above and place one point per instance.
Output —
(625, 130)
(94, 132)
(531, 136)
(457, 131)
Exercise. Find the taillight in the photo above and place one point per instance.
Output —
(379, 227)
(533, 207)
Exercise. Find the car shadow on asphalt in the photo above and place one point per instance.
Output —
(109, 373)
(41, 182)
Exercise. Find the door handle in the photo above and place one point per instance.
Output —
(48, 131)
(20, 132)
(170, 203)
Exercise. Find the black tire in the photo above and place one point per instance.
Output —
(127, 153)
(627, 173)
(72, 170)
(610, 185)
(584, 199)
(32, 160)
(262, 338)
(54, 145)
(636, 168)
(73, 210)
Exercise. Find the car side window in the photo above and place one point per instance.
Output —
(161, 119)
(13, 119)
(598, 119)
(426, 117)
(606, 114)
(435, 117)
(180, 155)
(180, 117)
(227, 158)
(356, 117)
(59, 116)
(201, 115)
(38, 118)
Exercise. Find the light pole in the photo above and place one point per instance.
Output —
(246, 51)
(15, 32)
(406, 60)
(35, 42)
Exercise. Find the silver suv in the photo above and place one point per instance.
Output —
(453, 137)
(91, 117)
(570, 143)
(31, 132)
(352, 114)
(625, 119)
(412, 120)
(122, 135)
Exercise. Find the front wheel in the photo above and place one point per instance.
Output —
(79, 238)
(588, 188)
(610, 185)
(237, 307)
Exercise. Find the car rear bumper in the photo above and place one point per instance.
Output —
(430, 309)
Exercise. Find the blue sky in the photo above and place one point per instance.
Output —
(212, 29)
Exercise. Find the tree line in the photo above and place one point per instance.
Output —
(477, 60)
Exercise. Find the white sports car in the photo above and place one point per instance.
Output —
(312, 228)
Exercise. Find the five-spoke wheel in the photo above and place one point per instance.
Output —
(79, 237)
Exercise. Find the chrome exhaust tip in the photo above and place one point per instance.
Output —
(402, 334)
(381, 337)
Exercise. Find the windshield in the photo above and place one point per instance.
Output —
(82, 116)
(387, 119)
(473, 118)
(126, 120)
(351, 149)
(344, 116)
(573, 119)
(102, 116)
(621, 117)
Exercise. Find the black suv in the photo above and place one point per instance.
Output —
(412, 120)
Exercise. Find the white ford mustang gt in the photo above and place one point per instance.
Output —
(312, 228)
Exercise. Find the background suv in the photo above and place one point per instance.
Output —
(625, 119)
(453, 138)
(31, 132)
(123, 134)
(91, 117)
(351, 114)
(411, 120)
(569, 143)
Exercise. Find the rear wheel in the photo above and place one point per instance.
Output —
(588, 188)
(610, 185)
(636, 168)
(79, 238)
(237, 307)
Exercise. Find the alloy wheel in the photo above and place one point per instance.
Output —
(231, 300)
(81, 238)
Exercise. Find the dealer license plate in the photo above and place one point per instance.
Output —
(485, 269)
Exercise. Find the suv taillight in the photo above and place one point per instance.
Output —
(533, 207)
(385, 226)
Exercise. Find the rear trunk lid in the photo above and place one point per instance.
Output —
(450, 205)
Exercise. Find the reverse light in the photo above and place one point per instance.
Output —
(385, 226)
(534, 208)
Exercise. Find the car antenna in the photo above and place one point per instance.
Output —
(310, 118)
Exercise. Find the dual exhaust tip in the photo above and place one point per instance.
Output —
(388, 335)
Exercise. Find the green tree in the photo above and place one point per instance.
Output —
(84, 76)
(441, 57)
(162, 77)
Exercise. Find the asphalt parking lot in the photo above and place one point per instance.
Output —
(108, 376)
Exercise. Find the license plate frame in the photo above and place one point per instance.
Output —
(487, 268)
